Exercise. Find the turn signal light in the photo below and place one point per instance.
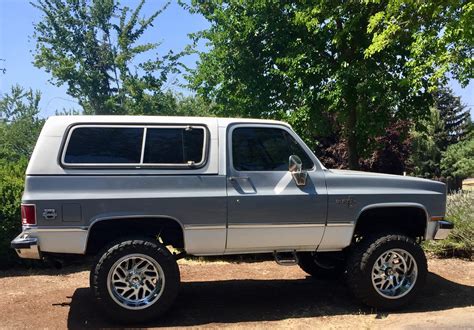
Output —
(28, 214)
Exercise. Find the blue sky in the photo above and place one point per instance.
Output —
(171, 29)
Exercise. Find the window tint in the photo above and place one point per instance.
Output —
(104, 145)
(265, 149)
(174, 145)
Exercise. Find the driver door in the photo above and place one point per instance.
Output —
(267, 211)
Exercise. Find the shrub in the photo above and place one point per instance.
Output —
(460, 242)
(11, 189)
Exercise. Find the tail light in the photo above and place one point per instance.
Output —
(28, 214)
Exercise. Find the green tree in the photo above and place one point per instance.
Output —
(438, 34)
(313, 64)
(11, 189)
(426, 146)
(192, 106)
(93, 47)
(20, 124)
(458, 159)
(448, 124)
(454, 114)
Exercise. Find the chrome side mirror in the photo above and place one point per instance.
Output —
(295, 166)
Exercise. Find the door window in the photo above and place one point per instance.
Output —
(265, 149)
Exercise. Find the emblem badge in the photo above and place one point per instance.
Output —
(349, 201)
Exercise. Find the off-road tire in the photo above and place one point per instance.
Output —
(148, 247)
(361, 261)
(325, 269)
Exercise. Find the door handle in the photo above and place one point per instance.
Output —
(234, 178)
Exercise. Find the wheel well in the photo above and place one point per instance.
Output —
(410, 221)
(167, 230)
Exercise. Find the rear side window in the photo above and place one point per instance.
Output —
(265, 149)
(104, 145)
(173, 146)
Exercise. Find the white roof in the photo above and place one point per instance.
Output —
(222, 122)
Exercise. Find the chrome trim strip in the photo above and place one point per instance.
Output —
(60, 229)
(340, 224)
(197, 227)
(142, 155)
(288, 225)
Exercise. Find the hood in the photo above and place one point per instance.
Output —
(390, 180)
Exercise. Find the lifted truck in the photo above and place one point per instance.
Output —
(127, 188)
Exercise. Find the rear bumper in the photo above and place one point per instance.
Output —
(26, 247)
(443, 230)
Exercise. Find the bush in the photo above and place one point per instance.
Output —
(11, 189)
(460, 242)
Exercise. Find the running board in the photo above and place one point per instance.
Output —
(286, 258)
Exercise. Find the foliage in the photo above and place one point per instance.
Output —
(192, 106)
(448, 123)
(458, 159)
(19, 130)
(92, 47)
(11, 189)
(20, 125)
(392, 150)
(460, 242)
(322, 66)
(438, 35)
(454, 114)
(426, 152)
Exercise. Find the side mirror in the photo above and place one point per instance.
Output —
(295, 166)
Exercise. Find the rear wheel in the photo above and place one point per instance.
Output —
(322, 265)
(386, 271)
(135, 280)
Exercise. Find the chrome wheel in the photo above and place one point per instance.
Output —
(136, 281)
(394, 273)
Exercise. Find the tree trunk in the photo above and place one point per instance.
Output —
(352, 138)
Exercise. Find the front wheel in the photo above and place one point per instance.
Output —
(386, 271)
(135, 280)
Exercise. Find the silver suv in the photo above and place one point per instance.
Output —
(141, 192)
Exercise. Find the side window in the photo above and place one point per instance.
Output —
(182, 146)
(265, 149)
(174, 146)
(104, 145)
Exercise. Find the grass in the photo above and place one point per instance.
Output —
(460, 242)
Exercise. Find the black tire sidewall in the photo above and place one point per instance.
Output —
(306, 261)
(153, 249)
(366, 291)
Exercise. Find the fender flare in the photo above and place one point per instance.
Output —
(395, 204)
(129, 216)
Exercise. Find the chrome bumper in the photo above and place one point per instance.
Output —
(443, 230)
(26, 247)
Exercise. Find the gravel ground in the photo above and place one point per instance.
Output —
(245, 295)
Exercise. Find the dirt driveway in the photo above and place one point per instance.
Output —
(246, 295)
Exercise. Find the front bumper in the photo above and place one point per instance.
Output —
(26, 247)
(443, 230)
